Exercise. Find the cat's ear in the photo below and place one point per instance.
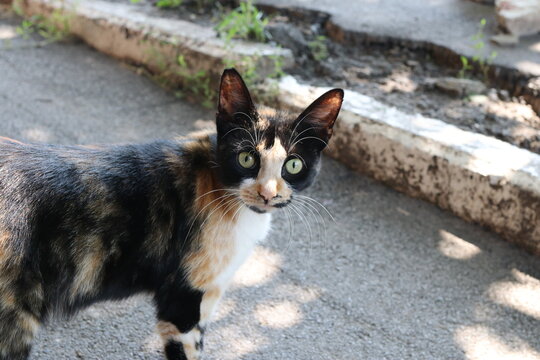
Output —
(234, 96)
(318, 119)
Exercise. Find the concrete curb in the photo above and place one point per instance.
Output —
(122, 31)
(479, 178)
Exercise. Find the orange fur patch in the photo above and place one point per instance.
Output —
(166, 330)
(213, 255)
(215, 210)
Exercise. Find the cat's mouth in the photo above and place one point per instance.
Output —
(265, 208)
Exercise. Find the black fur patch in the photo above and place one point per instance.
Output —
(175, 351)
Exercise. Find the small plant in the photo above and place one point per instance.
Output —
(202, 4)
(244, 22)
(25, 29)
(253, 78)
(465, 66)
(195, 83)
(53, 28)
(318, 48)
(168, 4)
(480, 58)
(17, 8)
(278, 67)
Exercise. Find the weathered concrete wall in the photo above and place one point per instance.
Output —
(124, 32)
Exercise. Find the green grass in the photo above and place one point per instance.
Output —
(53, 28)
(318, 48)
(197, 84)
(244, 22)
(480, 58)
(168, 4)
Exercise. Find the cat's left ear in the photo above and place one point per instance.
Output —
(234, 98)
(319, 117)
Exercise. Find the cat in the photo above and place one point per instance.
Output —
(174, 219)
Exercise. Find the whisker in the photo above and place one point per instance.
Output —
(318, 203)
(297, 124)
(209, 216)
(247, 115)
(319, 220)
(256, 140)
(237, 210)
(310, 137)
(213, 191)
(289, 218)
(239, 145)
(303, 131)
(244, 129)
(201, 211)
(229, 208)
(303, 218)
(301, 158)
(306, 224)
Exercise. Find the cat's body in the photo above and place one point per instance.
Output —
(174, 219)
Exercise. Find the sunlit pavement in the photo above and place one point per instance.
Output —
(389, 278)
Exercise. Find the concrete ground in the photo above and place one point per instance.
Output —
(391, 278)
(447, 23)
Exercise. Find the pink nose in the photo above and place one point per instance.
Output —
(268, 191)
(267, 197)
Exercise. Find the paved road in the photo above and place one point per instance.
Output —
(447, 23)
(390, 278)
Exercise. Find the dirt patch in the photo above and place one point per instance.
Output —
(409, 80)
(404, 78)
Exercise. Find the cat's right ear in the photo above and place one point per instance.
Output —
(235, 104)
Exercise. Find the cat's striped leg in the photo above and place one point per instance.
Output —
(17, 330)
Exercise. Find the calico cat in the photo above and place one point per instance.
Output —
(174, 219)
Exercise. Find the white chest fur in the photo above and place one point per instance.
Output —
(249, 229)
(224, 246)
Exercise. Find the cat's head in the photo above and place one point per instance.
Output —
(267, 156)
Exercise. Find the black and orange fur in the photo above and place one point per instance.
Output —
(84, 224)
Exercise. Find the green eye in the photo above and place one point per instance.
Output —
(293, 166)
(246, 160)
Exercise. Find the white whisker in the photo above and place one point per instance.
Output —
(254, 143)
(201, 211)
(318, 203)
(309, 137)
(301, 158)
(303, 131)
(297, 124)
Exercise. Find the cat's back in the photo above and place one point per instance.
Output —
(39, 180)
(59, 166)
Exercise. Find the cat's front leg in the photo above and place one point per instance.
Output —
(178, 311)
(211, 298)
(183, 337)
(178, 345)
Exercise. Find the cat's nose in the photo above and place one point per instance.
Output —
(268, 191)
(267, 198)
